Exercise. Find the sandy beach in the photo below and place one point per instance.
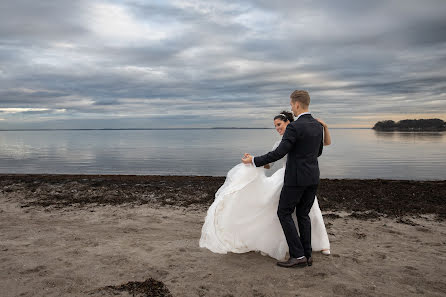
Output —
(65, 235)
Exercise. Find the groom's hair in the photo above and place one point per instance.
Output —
(301, 96)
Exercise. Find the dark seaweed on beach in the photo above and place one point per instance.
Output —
(367, 199)
(147, 288)
(77, 190)
(391, 197)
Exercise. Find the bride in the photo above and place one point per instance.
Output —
(243, 216)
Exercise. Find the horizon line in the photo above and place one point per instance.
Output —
(174, 128)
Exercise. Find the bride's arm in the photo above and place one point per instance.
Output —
(269, 165)
(289, 138)
(327, 137)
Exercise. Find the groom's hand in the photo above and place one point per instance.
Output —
(247, 159)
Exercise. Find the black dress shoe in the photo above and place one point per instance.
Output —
(309, 261)
(293, 262)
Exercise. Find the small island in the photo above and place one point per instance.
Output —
(431, 125)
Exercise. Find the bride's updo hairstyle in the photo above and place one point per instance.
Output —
(284, 116)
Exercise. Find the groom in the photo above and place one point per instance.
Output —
(303, 142)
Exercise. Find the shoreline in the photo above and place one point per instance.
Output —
(111, 175)
(377, 196)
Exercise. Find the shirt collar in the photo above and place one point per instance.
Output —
(307, 112)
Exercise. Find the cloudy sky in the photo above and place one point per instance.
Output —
(146, 64)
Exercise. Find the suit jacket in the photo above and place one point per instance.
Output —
(303, 142)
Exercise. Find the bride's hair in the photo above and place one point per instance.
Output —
(284, 116)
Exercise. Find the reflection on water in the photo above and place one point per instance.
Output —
(355, 153)
(416, 136)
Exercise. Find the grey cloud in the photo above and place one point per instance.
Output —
(346, 53)
(40, 21)
(427, 32)
(7, 95)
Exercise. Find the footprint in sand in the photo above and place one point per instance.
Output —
(423, 229)
(34, 270)
(388, 229)
(412, 271)
(319, 274)
(380, 255)
(202, 291)
(343, 290)
(360, 235)
(256, 293)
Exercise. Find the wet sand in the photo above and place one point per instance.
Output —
(66, 235)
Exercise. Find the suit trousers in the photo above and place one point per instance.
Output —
(299, 198)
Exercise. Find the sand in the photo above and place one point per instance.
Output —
(92, 249)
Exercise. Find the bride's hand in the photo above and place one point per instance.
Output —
(322, 123)
(327, 137)
(247, 159)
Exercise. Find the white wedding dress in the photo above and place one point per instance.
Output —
(243, 216)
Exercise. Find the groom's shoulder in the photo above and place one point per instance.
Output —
(299, 121)
(305, 119)
(293, 124)
(304, 122)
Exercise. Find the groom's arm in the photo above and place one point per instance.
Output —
(288, 140)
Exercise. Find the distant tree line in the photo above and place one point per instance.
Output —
(411, 125)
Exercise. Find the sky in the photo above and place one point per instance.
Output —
(167, 64)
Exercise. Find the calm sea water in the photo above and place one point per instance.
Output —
(355, 153)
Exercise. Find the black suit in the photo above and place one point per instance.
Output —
(303, 142)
